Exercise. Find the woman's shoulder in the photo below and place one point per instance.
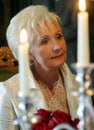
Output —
(11, 85)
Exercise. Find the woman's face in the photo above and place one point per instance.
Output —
(49, 49)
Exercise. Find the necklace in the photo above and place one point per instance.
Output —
(58, 100)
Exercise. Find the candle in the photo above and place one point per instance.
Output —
(24, 64)
(83, 36)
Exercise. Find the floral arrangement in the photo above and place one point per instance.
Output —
(49, 120)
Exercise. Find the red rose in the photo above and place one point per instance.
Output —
(48, 120)
(51, 123)
(61, 117)
(43, 114)
(40, 126)
(75, 123)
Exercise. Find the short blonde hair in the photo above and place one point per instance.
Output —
(29, 18)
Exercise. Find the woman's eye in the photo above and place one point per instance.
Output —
(45, 41)
(59, 36)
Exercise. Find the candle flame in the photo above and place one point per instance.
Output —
(23, 36)
(82, 5)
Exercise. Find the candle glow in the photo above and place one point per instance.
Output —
(24, 64)
(82, 5)
(83, 58)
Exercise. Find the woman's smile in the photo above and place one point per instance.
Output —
(57, 56)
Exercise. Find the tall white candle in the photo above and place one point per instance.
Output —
(83, 36)
(24, 64)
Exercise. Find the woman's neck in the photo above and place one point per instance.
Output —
(47, 77)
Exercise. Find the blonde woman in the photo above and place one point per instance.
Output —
(48, 54)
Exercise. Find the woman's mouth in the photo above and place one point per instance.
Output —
(57, 56)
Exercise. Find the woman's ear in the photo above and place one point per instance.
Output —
(31, 57)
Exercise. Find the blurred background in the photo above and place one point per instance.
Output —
(66, 9)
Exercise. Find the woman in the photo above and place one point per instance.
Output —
(48, 54)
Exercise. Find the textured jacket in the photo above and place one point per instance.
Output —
(9, 102)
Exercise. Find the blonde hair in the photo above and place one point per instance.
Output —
(30, 18)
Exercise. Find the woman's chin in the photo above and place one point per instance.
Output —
(60, 64)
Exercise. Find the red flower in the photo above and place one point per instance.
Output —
(43, 115)
(61, 117)
(40, 126)
(51, 119)
(75, 123)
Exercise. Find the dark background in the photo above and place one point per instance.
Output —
(66, 9)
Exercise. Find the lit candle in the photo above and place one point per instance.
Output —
(83, 36)
(24, 64)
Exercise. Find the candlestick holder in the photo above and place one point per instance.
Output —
(63, 127)
(26, 107)
(85, 110)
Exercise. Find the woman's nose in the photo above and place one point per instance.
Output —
(56, 46)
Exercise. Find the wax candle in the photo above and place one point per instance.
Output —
(24, 64)
(83, 36)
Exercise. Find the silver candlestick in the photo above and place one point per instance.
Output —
(26, 107)
(85, 110)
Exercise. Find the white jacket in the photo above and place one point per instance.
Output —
(9, 109)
